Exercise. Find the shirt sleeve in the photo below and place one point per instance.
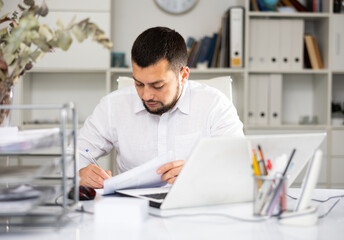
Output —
(96, 134)
(224, 119)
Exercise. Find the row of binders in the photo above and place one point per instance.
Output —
(225, 48)
(276, 44)
(338, 42)
(265, 99)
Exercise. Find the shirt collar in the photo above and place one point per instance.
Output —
(183, 103)
(138, 105)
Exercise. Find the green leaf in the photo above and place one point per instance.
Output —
(79, 34)
(60, 23)
(53, 43)
(19, 34)
(71, 23)
(36, 55)
(8, 57)
(43, 45)
(64, 39)
(45, 32)
(1, 4)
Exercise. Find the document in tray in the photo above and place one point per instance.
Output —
(12, 140)
(143, 176)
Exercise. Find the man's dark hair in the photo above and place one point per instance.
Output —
(160, 43)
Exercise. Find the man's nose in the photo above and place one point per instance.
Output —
(147, 94)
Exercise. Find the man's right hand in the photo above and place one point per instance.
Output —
(93, 176)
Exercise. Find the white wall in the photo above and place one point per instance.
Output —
(131, 17)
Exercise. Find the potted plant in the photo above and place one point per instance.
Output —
(24, 40)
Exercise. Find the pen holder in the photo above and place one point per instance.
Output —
(269, 195)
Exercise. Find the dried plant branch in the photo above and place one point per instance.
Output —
(24, 41)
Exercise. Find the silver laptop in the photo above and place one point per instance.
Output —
(218, 171)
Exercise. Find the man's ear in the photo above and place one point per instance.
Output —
(184, 74)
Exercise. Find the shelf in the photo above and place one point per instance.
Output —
(288, 127)
(216, 70)
(303, 71)
(192, 70)
(120, 70)
(67, 70)
(337, 127)
(338, 72)
(309, 15)
(27, 126)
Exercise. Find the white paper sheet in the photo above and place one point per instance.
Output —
(12, 140)
(143, 176)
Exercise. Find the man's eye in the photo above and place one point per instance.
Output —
(139, 85)
(158, 87)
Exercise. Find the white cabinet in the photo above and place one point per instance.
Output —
(338, 42)
(337, 148)
(337, 176)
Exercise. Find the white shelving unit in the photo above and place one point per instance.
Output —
(312, 90)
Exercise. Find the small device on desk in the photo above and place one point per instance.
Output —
(85, 193)
(305, 215)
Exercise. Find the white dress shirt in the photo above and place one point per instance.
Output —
(120, 120)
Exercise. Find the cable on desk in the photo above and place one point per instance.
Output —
(56, 199)
(325, 214)
(319, 200)
(82, 210)
(261, 219)
(323, 201)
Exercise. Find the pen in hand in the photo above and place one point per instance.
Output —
(92, 158)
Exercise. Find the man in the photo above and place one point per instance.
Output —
(163, 112)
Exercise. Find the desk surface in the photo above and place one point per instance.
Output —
(81, 226)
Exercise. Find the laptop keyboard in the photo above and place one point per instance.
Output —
(156, 195)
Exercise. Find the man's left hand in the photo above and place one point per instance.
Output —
(170, 171)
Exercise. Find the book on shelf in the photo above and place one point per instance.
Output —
(254, 6)
(313, 5)
(312, 53)
(217, 49)
(295, 4)
(262, 7)
(189, 43)
(225, 48)
(211, 51)
(204, 50)
(191, 52)
(298, 6)
(195, 54)
(224, 52)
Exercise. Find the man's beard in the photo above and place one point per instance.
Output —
(164, 108)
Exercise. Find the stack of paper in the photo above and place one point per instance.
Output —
(21, 199)
(12, 140)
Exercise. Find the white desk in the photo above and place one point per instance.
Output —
(82, 225)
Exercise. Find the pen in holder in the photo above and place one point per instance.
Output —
(269, 195)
